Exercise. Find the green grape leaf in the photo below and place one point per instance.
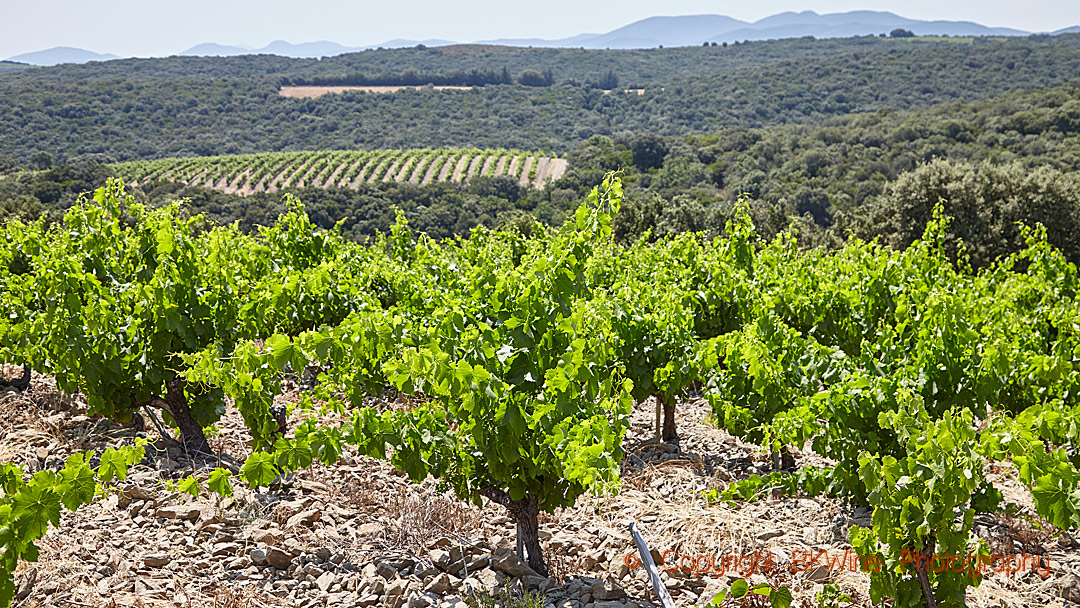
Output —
(283, 351)
(740, 588)
(259, 469)
(292, 455)
(218, 482)
(189, 485)
(113, 464)
(78, 485)
(10, 478)
(326, 447)
(7, 590)
(780, 598)
(34, 508)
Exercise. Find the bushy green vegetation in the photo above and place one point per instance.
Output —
(440, 210)
(154, 108)
(408, 77)
(10, 66)
(45, 194)
(995, 162)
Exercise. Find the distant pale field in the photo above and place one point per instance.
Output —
(309, 92)
(249, 173)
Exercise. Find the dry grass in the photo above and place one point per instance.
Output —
(29, 411)
(227, 597)
(1031, 533)
(358, 495)
(416, 520)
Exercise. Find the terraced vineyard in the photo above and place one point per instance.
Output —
(270, 172)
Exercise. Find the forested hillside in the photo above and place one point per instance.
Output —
(140, 109)
(997, 161)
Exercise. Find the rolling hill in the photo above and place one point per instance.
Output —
(199, 106)
(61, 54)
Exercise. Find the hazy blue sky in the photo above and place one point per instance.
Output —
(152, 27)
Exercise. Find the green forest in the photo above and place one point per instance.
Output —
(998, 161)
(150, 108)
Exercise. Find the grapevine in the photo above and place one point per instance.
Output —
(907, 370)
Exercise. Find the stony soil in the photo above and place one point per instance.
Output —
(360, 534)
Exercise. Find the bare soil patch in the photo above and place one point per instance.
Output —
(515, 167)
(309, 92)
(529, 163)
(337, 174)
(362, 176)
(391, 172)
(550, 169)
(474, 166)
(436, 165)
(405, 171)
(459, 168)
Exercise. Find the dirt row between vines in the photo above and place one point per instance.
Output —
(532, 171)
(361, 534)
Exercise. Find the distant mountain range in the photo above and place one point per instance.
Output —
(693, 30)
(322, 48)
(61, 54)
(688, 30)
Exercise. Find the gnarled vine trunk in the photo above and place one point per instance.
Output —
(922, 571)
(191, 433)
(669, 422)
(526, 515)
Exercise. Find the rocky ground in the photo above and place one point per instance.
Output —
(360, 534)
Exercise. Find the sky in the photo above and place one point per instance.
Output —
(144, 28)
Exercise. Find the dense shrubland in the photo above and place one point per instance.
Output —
(154, 108)
(995, 162)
